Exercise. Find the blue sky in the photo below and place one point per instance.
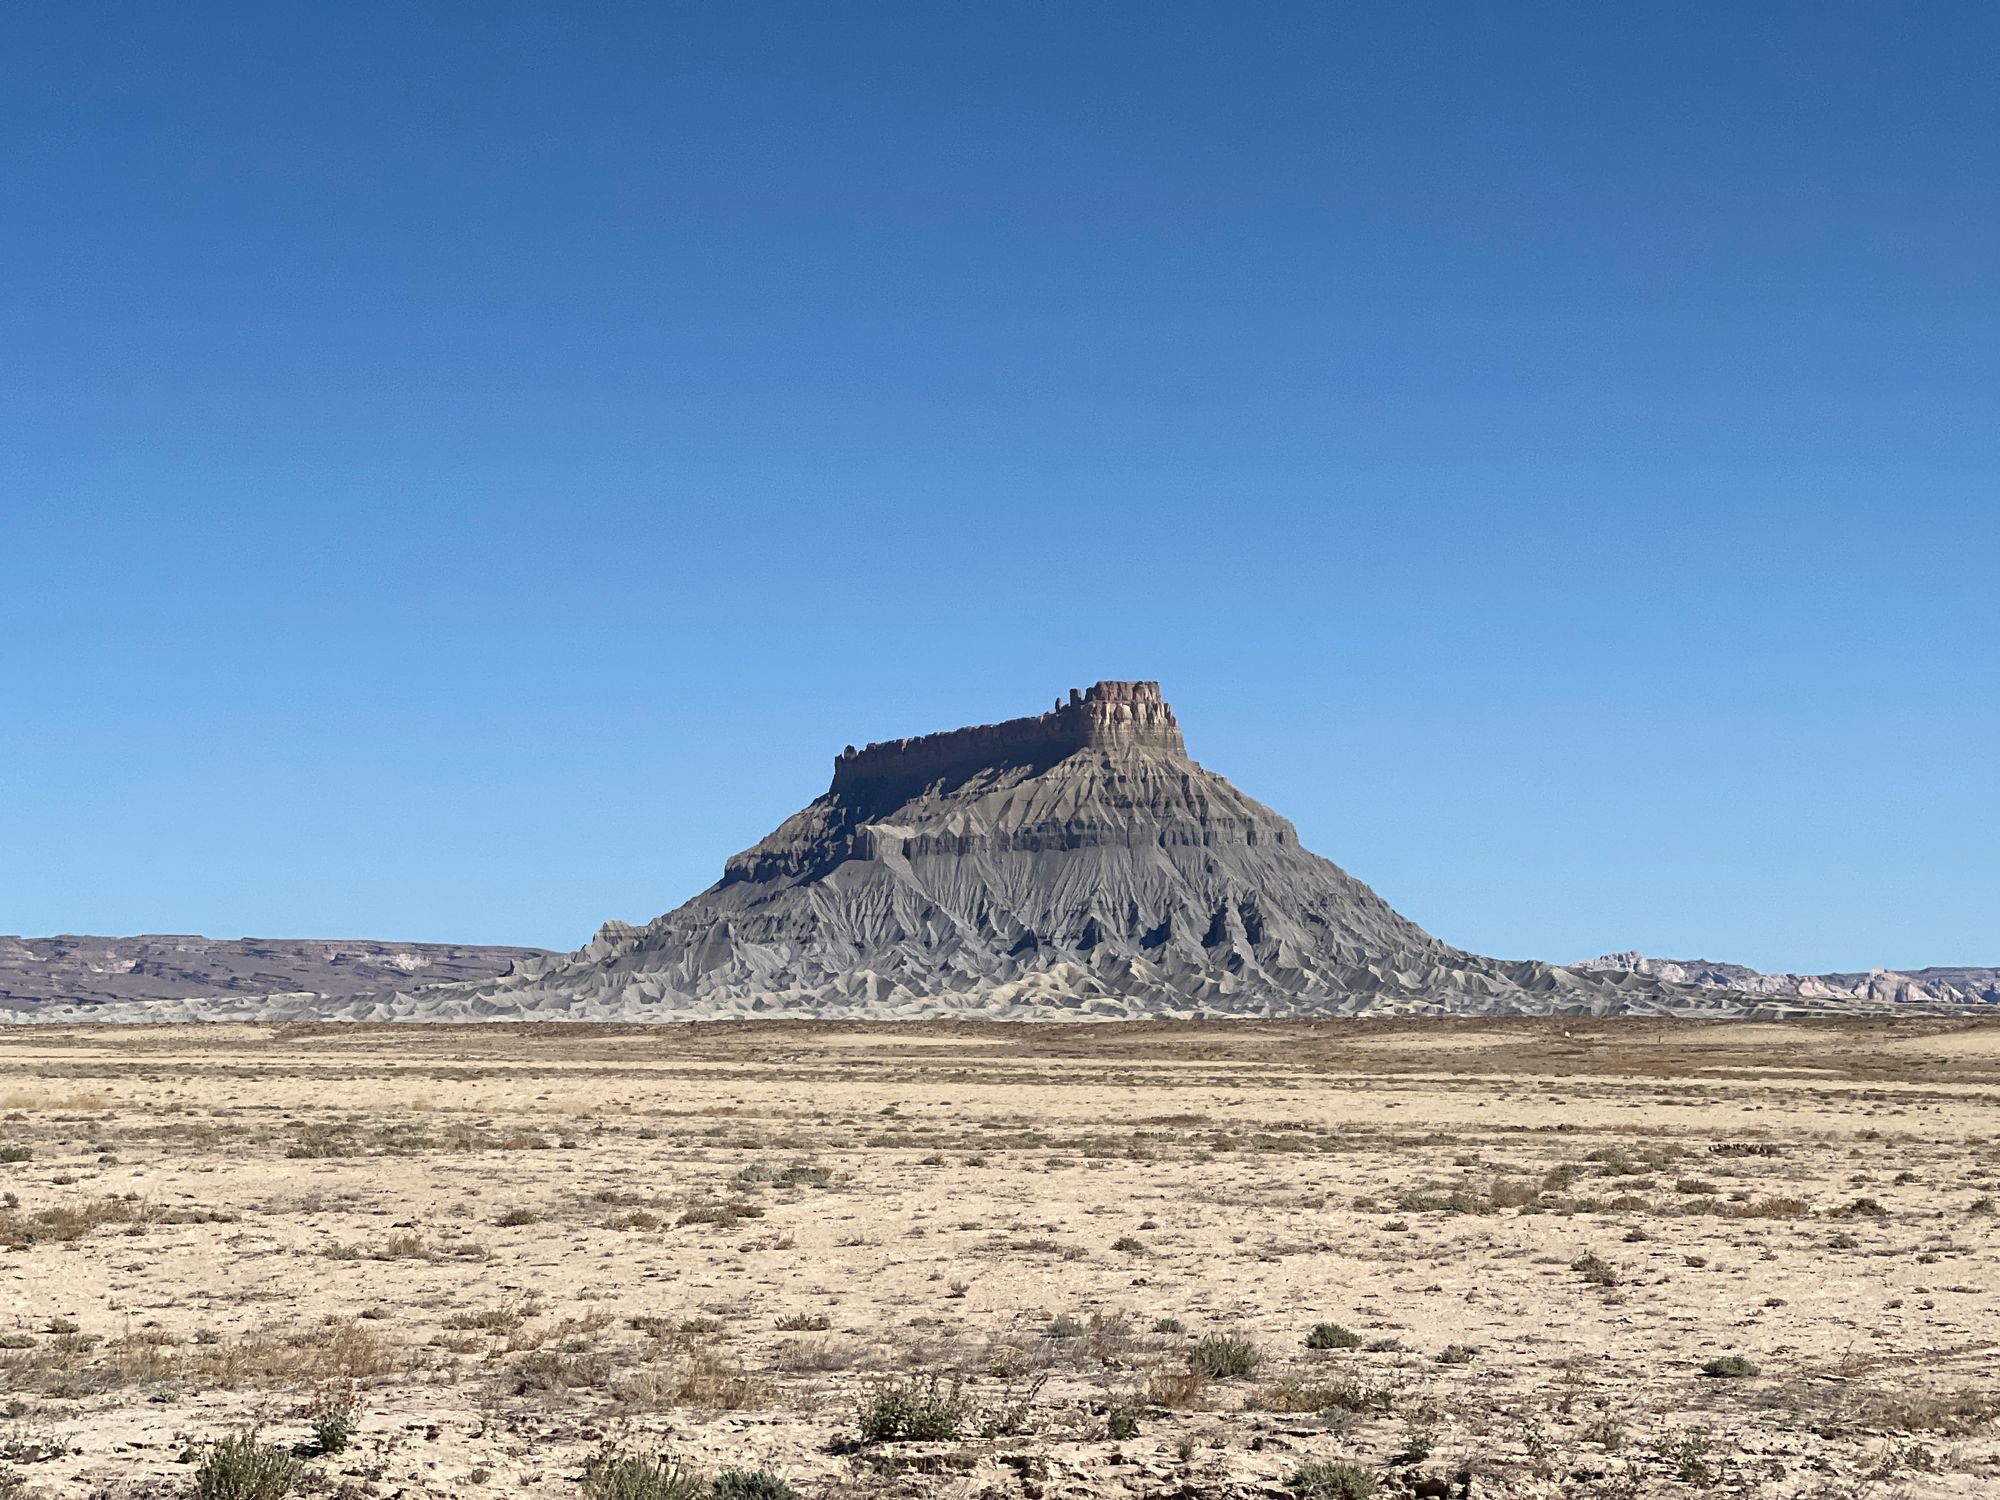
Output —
(466, 469)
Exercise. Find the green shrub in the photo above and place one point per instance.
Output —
(752, 1484)
(1594, 1269)
(1730, 1367)
(1121, 1422)
(1332, 1481)
(1332, 1336)
(1219, 1356)
(611, 1474)
(1457, 1354)
(803, 1174)
(1169, 1325)
(334, 1415)
(922, 1409)
(239, 1467)
(1063, 1326)
(1687, 1454)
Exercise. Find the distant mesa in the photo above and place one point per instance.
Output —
(1069, 865)
(93, 971)
(1934, 987)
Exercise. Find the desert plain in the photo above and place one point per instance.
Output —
(1538, 1257)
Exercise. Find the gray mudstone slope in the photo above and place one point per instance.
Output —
(1072, 865)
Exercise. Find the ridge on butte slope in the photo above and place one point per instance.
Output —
(1073, 864)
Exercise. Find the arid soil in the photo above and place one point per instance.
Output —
(1076, 1261)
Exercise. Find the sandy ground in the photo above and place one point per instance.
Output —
(508, 1249)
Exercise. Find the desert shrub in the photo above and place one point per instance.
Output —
(1221, 1356)
(1063, 1326)
(804, 1323)
(1452, 1201)
(1950, 1413)
(323, 1141)
(1344, 1394)
(752, 1484)
(31, 1445)
(1129, 1245)
(553, 1370)
(1383, 1346)
(334, 1414)
(1121, 1421)
(239, 1467)
(514, 1218)
(1331, 1481)
(1729, 1367)
(1176, 1385)
(1864, 1208)
(65, 1222)
(1420, 1433)
(1013, 1413)
(811, 1356)
(1594, 1269)
(1457, 1354)
(505, 1319)
(11, 1154)
(1169, 1325)
(929, 1408)
(1686, 1454)
(1605, 1431)
(1108, 1336)
(611, 1474)
(1332, 1336)
(699, 1378)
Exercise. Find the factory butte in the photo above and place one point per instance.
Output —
(1070, 865)
(1073, 864)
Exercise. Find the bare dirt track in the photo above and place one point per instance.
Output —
(1189, 1259)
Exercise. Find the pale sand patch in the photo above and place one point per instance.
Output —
(1980, 1042)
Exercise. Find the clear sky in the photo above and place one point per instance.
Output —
(465, 469)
